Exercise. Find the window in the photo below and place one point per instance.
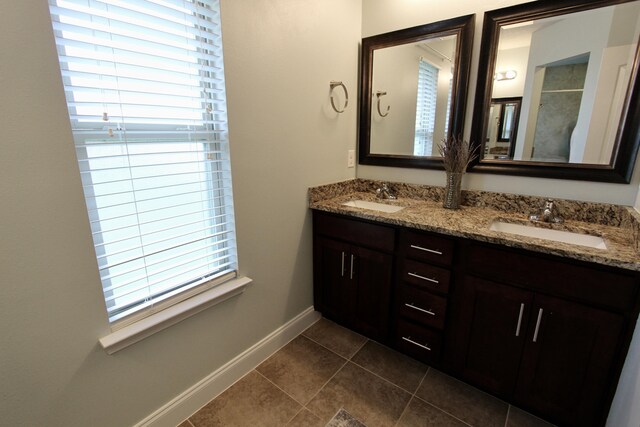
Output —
(144, 82)
(425, 108)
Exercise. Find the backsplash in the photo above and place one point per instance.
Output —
(595, 213)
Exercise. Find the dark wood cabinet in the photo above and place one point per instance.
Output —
(553, 356)
(352, 282)
(492, 328)
(543, 332)
(421, 294)
(568, 360)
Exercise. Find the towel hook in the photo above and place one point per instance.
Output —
(378, 95)
(332, 86)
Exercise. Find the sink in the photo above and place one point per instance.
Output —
(548, 234)
(364, 204)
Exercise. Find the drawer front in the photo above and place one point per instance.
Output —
(354, 231)
(422, 307)
(422, 343)
(427, 247)
(563, 278)
(426, 276)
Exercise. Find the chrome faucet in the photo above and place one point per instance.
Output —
(547, 213)
(384, 193)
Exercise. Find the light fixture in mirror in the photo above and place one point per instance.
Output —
(574, 66)
(413, 92)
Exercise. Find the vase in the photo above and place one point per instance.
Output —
(452, 191)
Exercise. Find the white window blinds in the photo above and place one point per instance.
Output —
(144, 83)
(425, 108)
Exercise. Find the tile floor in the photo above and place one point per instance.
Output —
(328, 367)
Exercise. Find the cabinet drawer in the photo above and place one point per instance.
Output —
(423, 307)
(427, 247)
(354, 231)
(558, 277)
(426, 276)
(417, 341)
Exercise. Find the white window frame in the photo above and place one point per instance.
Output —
(427, 98)
(146, 95)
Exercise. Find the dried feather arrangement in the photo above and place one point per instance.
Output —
(456, 154)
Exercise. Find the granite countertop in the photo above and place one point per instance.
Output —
(617, 225)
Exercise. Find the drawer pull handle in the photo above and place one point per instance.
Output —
(519, 319)
(420, 248)
(410, 305)
(535, 333)
(408, 339)
(417, 276)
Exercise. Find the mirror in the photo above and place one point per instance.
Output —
(502, 128)
(570, 68)
(413, 89)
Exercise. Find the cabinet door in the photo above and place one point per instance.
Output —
(492, 330)
(567, 361)
(373, 273)
(333, 291)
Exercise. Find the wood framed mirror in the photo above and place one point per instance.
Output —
(502, 128)
(575, 65)
(413, 91)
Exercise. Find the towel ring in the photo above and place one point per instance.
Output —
(378, 95)
(332, 86)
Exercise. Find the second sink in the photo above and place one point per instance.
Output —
(588, 240)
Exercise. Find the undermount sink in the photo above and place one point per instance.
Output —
(588, 240)
(364, 204)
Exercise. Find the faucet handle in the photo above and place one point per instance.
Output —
(548, 212)
(384, 192)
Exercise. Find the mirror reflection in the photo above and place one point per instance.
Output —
(572, 73)
(413, 90)
(502, 129)
(412, 84)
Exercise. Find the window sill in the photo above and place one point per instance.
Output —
(148, 326)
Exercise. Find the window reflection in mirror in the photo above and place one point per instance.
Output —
(572, 73)
(413, 92)
(417, 81)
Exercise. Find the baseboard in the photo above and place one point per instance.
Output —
(190, 401)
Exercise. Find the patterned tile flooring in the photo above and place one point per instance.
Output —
(328, 367)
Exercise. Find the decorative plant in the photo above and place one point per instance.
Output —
(456, 154)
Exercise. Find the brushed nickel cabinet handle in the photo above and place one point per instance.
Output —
(408, 339)
(420, 248)
(342, 267)
(410, 305)
(417, 276)
(519, 319)
(535, 333)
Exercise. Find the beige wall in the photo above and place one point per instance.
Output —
(280, 56)
(380, 16)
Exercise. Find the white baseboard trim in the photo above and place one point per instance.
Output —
(191, 400)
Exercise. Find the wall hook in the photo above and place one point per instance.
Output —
(332, 86)
(378, 95)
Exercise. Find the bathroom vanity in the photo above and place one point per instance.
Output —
(545, 325)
